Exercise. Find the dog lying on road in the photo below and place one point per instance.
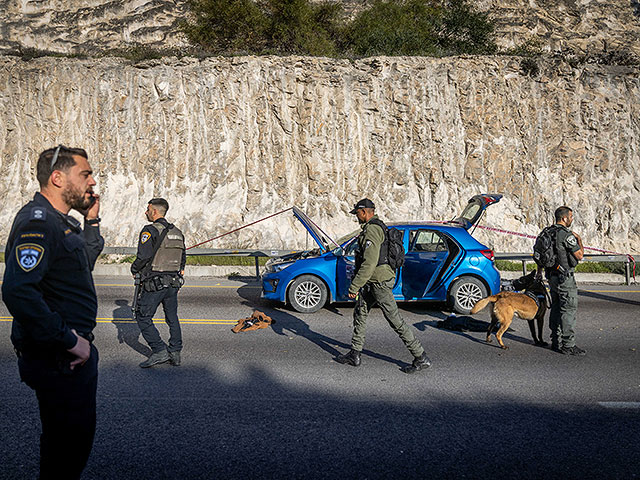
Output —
(531, 306)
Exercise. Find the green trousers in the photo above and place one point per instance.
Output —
(564, 307)
(381, 294)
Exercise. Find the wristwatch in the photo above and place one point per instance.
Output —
(93, 221)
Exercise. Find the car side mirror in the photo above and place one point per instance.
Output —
(338, 251)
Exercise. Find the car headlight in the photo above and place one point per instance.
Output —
(277, 267)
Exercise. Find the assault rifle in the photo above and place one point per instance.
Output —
(136, 294)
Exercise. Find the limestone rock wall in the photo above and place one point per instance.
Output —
(89, 26)
(230, 140)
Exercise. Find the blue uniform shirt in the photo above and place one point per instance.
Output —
(48, 287)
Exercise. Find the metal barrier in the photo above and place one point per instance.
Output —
(525, 257)
(227, 252)
(521, 257)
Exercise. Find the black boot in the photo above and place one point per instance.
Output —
(419, 363)
(352, 358)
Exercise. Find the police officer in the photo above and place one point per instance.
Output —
(373, 283)
(160, 262)
(48, 288)
(562, 283)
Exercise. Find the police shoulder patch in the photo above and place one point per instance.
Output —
(144, 237)
(571, 240)
(29, 255)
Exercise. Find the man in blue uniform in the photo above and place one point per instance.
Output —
(48, 288)
(160, 261)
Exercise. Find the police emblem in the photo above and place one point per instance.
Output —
(144, 237)
(29, 255)
(571, 241)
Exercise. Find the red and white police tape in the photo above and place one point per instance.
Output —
(493, 229)
(533, 237)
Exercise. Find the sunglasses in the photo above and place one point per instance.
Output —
(54, 159)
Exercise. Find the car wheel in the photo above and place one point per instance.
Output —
(307, 294)
(465, 293)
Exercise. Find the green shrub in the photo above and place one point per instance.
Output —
(386, 27)
(465, 30)
(272, 26)
(391, 27)
(583, 267)
(227, 26)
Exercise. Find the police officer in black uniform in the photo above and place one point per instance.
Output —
(48, 288)
(160, 263)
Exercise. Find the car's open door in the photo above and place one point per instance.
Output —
(475, 208)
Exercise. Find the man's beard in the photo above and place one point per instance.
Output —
(75, 199)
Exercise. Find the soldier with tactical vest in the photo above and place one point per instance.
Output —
(372, 284)
(562, 283)
(160, 263)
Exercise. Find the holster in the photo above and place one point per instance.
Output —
(160, 282)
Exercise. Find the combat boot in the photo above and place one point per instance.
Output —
(419, 363)
(575, 350)
(155, 359)
(352, 358)
(174, 359)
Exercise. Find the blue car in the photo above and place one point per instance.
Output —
(443, 263)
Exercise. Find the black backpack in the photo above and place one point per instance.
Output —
(392, 249)
(544, 250)
(395, 249)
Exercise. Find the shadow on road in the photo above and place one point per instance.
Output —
(609, 298)
(166, 425)
(288, 323)
(128, 330)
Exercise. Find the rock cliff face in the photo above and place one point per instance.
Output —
(89, 26)
(601, 28)
(582, 27)
(229, 141)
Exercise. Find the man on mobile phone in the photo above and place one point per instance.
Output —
(48, 288)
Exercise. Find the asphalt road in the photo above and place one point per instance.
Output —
(273, 404)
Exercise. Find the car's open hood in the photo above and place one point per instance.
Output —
(325, 242)
(475, 208)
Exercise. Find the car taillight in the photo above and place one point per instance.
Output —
(489, 254)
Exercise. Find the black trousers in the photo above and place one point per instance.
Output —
(147, 306)
(67, 401)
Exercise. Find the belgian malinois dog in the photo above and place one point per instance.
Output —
(507, 304)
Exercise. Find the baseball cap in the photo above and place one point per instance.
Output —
(364, 203)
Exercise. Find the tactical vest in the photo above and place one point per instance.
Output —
(565, 258)
(384, 247)
(168, 258)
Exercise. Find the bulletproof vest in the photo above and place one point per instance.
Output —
(565, 258)
(168, 258)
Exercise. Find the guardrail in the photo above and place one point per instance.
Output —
(524, 258)
(521, 257)
(227, 252)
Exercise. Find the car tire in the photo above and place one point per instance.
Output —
(465, 293)
(307, 294)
